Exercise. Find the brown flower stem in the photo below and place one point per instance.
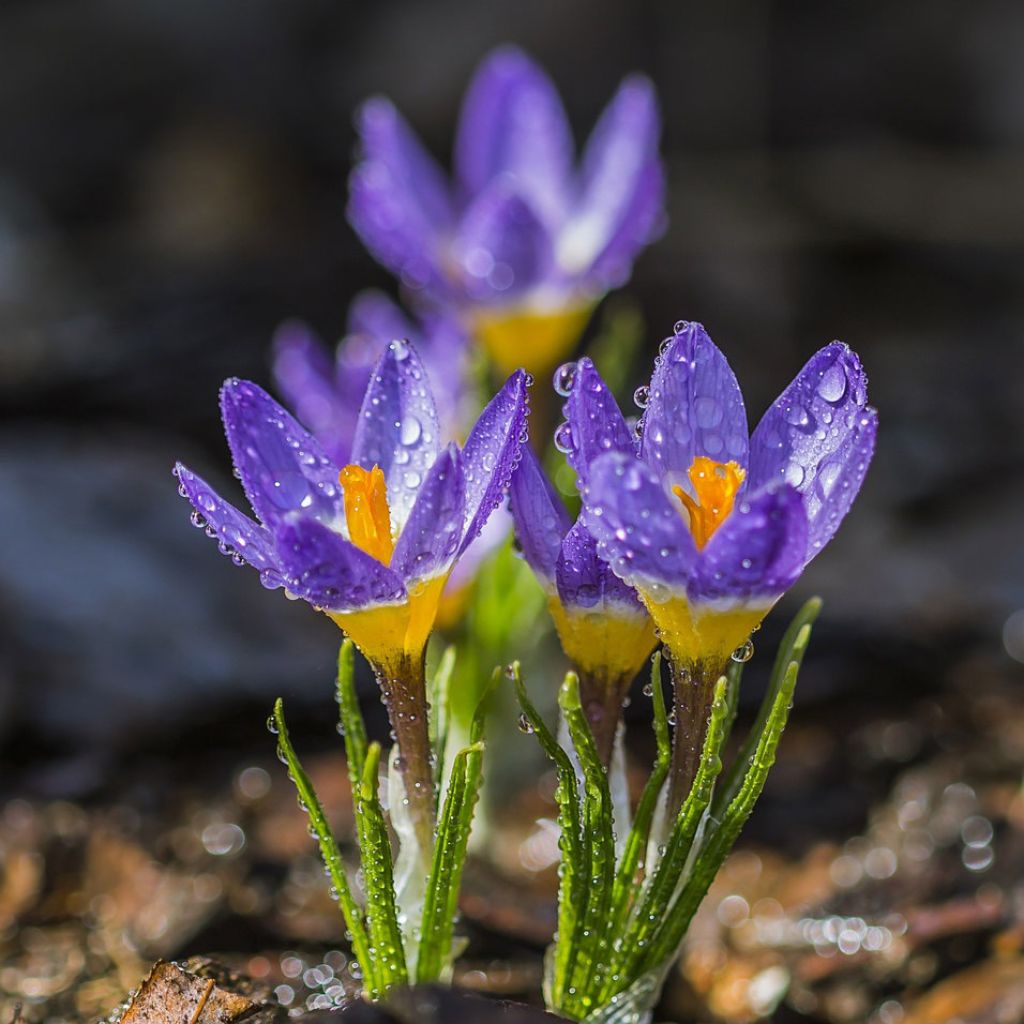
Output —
(693, 685)
(602, 699)
(403, 686)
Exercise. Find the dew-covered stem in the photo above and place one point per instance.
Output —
(693, 685)
(602, 699)
(403, 688)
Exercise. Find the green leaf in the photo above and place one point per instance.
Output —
(456, 820)
(350, 716)
(626, 880)
(787, 653)
(734, 677)
(331, 855)
(440, 706)
(590, 942)
(441, 902)
(573, 883)
(378, 876)
(718, 845)
(644, 925)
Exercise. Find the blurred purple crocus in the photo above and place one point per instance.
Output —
(369, 539)
(522, 243)
(712, 525)
(604, 629)
(325, 389)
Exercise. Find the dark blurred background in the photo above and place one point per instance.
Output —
(173, 185)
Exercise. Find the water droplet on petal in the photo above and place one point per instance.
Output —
(564, 378)
(563, 438)
(832, 385)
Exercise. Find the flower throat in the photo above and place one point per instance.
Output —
(715, 486)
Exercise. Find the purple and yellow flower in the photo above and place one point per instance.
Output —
(604, 629)
(370, 542)
(711, 524)
(523, 243)
(325, 391)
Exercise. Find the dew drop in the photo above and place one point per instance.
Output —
(744, 652)
(410, 431)
(564, 378)
(563, 438)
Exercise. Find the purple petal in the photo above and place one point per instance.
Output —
(304, 375)
(819, 436)
(639, 531)
(282, 467)
(513, 123)
(623, 188)
(398, 428)
(430, 538)
(540, 517)
(758, 552)
(583, 579)
(695, 406)
(237, 535)
(492, 452)
(399, 203)
(596, 422)
(374, 320)
(329, 572)
(502, 247)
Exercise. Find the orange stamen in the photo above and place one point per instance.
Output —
(367, 511)
(715, 485)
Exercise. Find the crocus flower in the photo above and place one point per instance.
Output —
(371, 542)
(324, 389)
(604, 629)
(522, 243)
(712, 525)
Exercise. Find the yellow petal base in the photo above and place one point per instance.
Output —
(604, 645)
(538, 342)
(390, 633)
(703, 634)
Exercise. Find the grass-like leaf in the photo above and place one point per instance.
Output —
(378, 876)
(721, 840)
(646, 922)
(626, 880)
(442, 894)
(787, 653)
(456, 820)
(440, 716)
(573, 884)
(350, 717)
(733, 677)
(591, 939)
(331, 855)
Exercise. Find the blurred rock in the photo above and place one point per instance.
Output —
(120, 619)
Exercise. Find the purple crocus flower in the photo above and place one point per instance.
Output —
(325, 389)
(712, 525)
(604, 629)
(522, 242)
(372, 542)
